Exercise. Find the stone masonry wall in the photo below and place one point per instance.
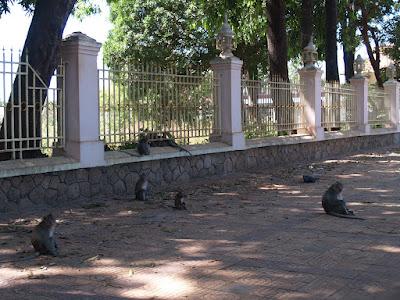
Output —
(23, 192)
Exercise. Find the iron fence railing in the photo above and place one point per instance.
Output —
(137, 97)
(378, 107)
(271, 107)
(338, 107)
(31, 113)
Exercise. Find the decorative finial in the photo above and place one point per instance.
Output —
(359, 66)
(391, 72)
(310, 55)
(225, 39)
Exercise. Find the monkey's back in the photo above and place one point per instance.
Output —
(38, 236)
(143, 148)
(42, 242)
(329, 201)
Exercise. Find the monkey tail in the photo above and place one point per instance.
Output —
(172, 143)
(344, 216)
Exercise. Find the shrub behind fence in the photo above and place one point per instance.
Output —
(157, 99)
(338, 106)
(378, 107)
(271, 107)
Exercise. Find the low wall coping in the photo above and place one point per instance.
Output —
(23, 167)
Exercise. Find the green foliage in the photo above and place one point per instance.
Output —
(183, 32)
(28, 5)
(157, 32)
(82, 8)
(393, 39)
(348, 21)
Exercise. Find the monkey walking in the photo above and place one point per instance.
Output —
(333, 203)
(143, 146)
(43, 236)
(141, 188)
(179, 203)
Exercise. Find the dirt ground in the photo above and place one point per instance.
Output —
(254, 235)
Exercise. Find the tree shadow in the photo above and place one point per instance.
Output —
(251, 235)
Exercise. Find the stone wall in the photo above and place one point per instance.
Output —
(54, 188)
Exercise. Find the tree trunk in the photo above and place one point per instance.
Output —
(375, 60)
(42, 45)
(348, 58)
(278, 60)
(332, 73)
(348, 36)
(306, 22)
(277, 39)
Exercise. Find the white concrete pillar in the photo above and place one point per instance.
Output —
(392, 90)
(310, 78)
(360, 86)
(79, 52)
(228, 73)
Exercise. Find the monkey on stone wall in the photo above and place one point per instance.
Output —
(143, 146)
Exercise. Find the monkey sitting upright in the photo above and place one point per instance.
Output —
(179, 203)
(143, 146)
(333, 203)
(43, 236)
(141, 188)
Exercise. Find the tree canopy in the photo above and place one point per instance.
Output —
(183, 31)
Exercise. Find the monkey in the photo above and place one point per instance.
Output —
(143, 146)
(333, 203)
(179, 203)
(157, 139)
(43, 236)
(172, 143)
(141, 188)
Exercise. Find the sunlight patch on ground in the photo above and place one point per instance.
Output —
(7, 251)
(389, 212)
(294, 295)
(126, 213)
(290, 192)
(340, 161)
(372, 190)
(349, 176)
(383, 172)
(193, 250)
(168, 281)
(373, 289)
(387, 248)
(383, 204)
(226, 194)
(9, 277)
(372, 155)
(273, 187)
(296, 210)
(393, 154)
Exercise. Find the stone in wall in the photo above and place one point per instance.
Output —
(23, 192)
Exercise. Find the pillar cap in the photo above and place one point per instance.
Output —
(80, 39)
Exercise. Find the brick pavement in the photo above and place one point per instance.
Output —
(253, 235)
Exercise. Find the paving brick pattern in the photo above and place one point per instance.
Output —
(259, 234)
